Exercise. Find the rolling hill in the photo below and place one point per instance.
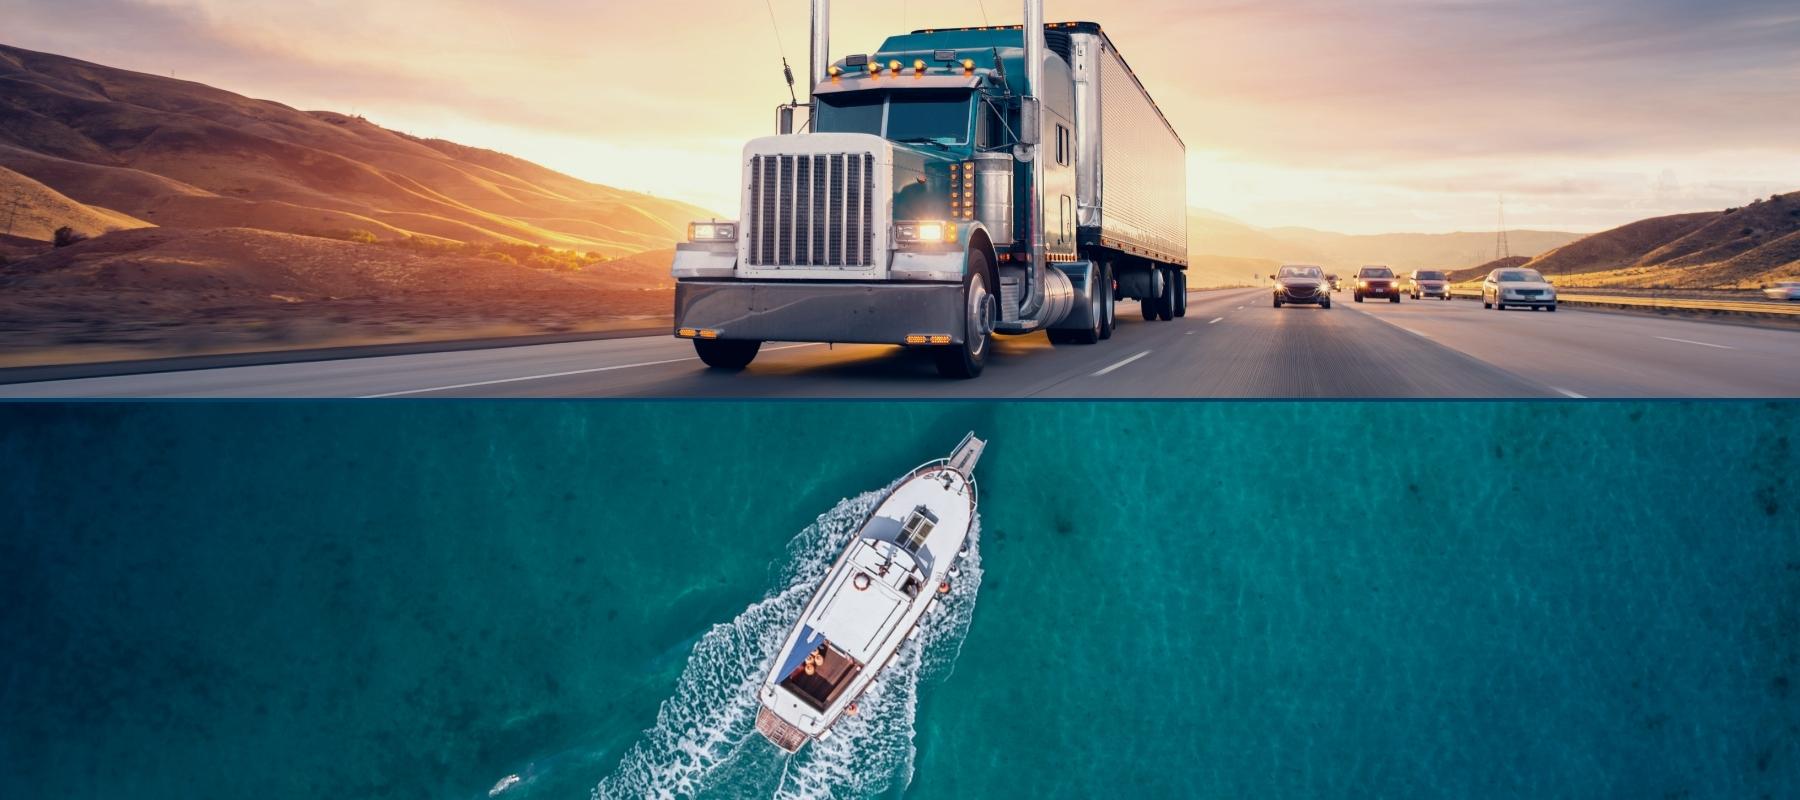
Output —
(154, 150)
(1215, 235)
(1738, 248)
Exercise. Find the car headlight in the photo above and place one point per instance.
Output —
(712, 231)
(924, 233)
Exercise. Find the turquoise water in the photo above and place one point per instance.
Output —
(560, 600)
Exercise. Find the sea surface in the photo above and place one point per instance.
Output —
(571, 600)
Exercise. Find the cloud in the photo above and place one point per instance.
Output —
(1408, 100)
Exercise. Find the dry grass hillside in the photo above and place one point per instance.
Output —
(31, 210)
(1738, 248)
(182, 155)
(223, 223)
(156, 291)
(1480, 272)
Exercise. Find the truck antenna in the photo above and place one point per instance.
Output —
(786, 70)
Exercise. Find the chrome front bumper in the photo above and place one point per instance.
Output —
(820, 311)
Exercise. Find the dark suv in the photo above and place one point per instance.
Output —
(1377, 282)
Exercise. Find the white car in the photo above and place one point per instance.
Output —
(1520, 288)
(1785, 290)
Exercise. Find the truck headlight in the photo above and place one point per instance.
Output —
(918, 233)
(712, 231)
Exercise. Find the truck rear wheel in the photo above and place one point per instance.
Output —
(1108, 305)
(1180, 294)
(1165, 308)
(967, 360)
(729, 356)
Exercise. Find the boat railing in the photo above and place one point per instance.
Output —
(962, 460)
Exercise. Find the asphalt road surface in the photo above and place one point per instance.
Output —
(1232, 344)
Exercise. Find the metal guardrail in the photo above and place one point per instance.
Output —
(1771, 308)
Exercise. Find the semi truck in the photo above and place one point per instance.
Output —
(950, 186)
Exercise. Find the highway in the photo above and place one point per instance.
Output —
(1232, 344)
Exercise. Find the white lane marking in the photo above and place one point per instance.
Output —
(571, 373)
(1690, 341)
(1111, 369)
(1419, 334)
(1216, 321)
(1569, 394)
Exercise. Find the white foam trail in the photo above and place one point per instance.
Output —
(705, 742)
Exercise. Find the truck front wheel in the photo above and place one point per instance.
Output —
(967, 360)
(729, 356)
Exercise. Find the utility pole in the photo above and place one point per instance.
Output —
(13, 214)
(1502, 249)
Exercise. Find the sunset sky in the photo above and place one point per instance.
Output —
(1382, 115)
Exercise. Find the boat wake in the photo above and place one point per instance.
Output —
(705, 741)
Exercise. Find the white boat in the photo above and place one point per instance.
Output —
(873, 599)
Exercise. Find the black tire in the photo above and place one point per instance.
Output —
(1148, 304)
(1325, 304)
(1165, 307)
(1181, 294)
(1395, 299)
(1110, 304)
(1277, 301)
(1485, 303)
(1359, 297)
(726, 355)
(966, 361)
(1553, 309)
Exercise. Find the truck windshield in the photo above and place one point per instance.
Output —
(936, 117)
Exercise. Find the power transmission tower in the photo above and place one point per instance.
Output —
(13, 214)
(1502, 250)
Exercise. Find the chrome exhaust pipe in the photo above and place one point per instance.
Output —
(1031, 124)
(821, 45)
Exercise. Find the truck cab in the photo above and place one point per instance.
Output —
(934, 200)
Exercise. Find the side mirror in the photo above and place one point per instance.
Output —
(1031, 122)
(1271, 277)
(784, 120)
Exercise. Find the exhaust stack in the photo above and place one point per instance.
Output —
(1031, 135)
(821, 44)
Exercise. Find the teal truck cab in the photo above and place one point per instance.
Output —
(954, 185)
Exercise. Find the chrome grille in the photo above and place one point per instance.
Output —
(811, 211)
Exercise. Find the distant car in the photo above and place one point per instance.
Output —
(1333, 279)
(1785, 290)
(1423, 283)
(1301, 284)
(1520, 288)
(1377, 282)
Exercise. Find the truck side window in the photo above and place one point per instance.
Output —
(1062, 145)
(992, 126)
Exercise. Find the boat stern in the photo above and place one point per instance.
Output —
(779, 731)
